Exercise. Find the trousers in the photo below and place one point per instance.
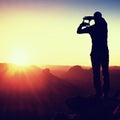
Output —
(101, 61)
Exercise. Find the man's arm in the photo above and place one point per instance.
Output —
(81, 30)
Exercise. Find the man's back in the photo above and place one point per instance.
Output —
(98, 33)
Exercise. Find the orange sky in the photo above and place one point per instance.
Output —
(43, 34)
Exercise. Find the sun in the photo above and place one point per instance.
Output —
(20, 57)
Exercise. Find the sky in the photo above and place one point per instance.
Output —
(43, 32)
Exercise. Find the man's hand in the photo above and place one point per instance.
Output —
(84, 24)
(81, 29)
(89, 18)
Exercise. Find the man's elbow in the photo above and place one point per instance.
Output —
(78, 31)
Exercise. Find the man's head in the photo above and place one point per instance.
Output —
(97, 16)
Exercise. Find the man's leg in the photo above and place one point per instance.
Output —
(96, 74)
(105, 72)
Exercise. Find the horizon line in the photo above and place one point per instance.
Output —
(46, 65)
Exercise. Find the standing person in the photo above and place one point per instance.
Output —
(99, 53)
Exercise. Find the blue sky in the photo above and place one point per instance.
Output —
(86, 5)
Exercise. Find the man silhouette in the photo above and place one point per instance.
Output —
(99, 53)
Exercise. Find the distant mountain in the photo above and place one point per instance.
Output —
(35, 75)
(42, 91)
(35, 88)
(56, 85)
(77, 73)
(58, 70)
(81, 78)
(114, 67)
